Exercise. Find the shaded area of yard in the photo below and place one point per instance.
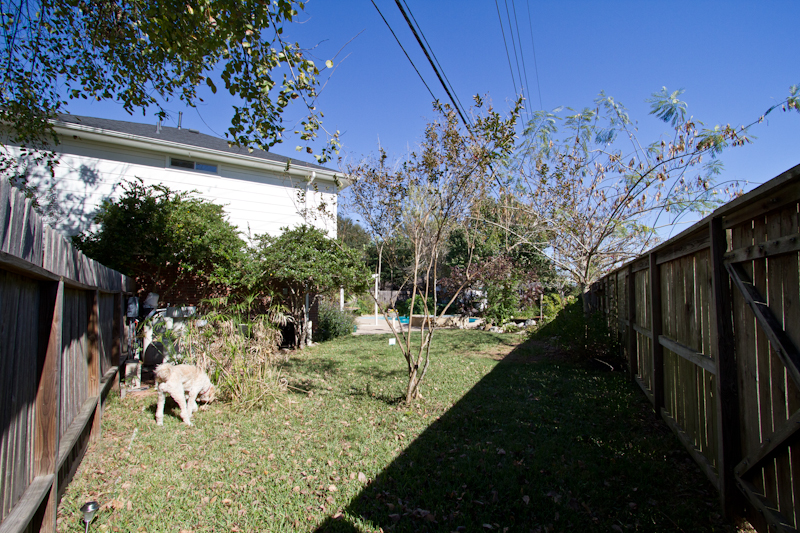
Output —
(526, 443)
(540, 446)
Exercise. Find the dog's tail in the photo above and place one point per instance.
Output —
(163, 371)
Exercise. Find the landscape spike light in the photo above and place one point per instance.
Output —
(89, 509)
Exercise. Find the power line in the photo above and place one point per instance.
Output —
(514, 47)
(433, 54)
(505, 43)
(403, 49)
(522, 54)
(535, 66)
(433, 65)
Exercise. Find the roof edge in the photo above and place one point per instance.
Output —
(170, 147)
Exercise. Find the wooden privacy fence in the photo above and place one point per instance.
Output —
(61, 327)
(710, 324)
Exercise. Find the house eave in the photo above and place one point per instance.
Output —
(186, 150)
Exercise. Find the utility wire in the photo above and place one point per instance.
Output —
(535, 66)
(433, 54)
(404, 50)
(505, 43)
(433, 65)
(522, 54)
(514, 47)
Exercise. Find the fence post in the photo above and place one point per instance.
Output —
(727, 388)
(633, 361)
(657, 329)
(46, 432)
(117, 334)
(93, 359)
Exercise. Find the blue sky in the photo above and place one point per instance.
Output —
(734, 59)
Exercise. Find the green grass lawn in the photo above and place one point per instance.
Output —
(525, 443)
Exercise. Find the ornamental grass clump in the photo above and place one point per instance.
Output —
(239, 349)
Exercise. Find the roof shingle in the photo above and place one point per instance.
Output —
(185, 136)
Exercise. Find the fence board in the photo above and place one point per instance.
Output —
(106, 309)
(44, 377)
(774, 275)
(18, 335)
(74, 349)
(790, 290)
(726, 307)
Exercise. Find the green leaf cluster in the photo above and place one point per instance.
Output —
(334, 323)
(304, 261)
(153, 233)
(146, 53)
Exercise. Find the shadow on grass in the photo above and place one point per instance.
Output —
(367, 394)
(379, 373)
(321, 365)
(539, 447)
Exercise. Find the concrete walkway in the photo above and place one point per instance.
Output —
(366, 326)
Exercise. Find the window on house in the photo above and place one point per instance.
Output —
(193, 165)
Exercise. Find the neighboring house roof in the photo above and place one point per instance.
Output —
(168, 139)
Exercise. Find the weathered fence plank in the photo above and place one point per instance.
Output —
(715, 313)
(60, 337)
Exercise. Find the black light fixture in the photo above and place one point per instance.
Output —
(88, 510)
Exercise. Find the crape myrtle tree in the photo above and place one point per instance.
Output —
(594, 195)
(305, 263)
(425, 197)
(392, 258)
(144, 54)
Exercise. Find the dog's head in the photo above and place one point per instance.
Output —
(208, 395)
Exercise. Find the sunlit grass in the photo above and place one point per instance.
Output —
(493, 445)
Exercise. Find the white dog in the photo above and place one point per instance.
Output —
(185, 383)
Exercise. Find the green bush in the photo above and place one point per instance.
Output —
(419, 306)
(366, 306)
(503, 302)
(334, 323)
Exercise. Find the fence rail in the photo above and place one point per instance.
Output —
(61, 330)
(710, 324)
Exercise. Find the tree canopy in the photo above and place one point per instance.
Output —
(304, 261)
(351, 233)
(591, 194)
(426, 196)
(146, 53)
(160, 236)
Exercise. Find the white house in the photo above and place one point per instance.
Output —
(261, 191)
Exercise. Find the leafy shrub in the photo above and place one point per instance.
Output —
(366, 306)
(178, 237)
(419, 306)
(238, 347)
(502, 302)
(243, 362)
(334, 323)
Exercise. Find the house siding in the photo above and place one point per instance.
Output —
(257, 202)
